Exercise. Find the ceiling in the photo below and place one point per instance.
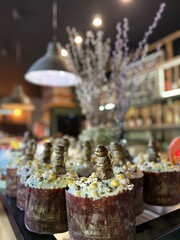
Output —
(24, 40)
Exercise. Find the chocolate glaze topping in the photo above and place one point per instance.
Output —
(47, 152)
(26, 138)
(30, 150)
(58, 162)
(65, 142)
(118, 153)
(86, 151)
(153, 151)
(104, 168)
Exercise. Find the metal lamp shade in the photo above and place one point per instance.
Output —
(18, 99)
(52, 69)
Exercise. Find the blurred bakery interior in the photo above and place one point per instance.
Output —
(98, 71)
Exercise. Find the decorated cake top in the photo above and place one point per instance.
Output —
(47, 152)
(82, 162)
(153, 152)
(54, 178)
(29, 151)
(25, 140)
(58, 161)
(164, 166)
(28, 163)
(84, 157)
(65, 143)
(154, 163)
(47, 180)
(103, 183)
(28, 169)
(86, 151)
(28, 155)
(73, 146)
(131, 171)
(118, 154)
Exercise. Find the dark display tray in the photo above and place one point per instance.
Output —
(16, 218)
(165, 227)
(172, 235)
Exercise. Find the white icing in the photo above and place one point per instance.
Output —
(44, 180)
(27, 169)
(82, 187)
(165, 166)
(131, 171)
(73, 152)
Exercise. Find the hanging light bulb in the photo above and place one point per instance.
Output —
(109, 106)
(64, 52)
(78, 39)
(101, 108)
(97, 21)
(126, 1)
(17, 112)
(52, 69)
(17, 100)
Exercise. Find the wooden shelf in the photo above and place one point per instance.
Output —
(154, 127)
(148, 101)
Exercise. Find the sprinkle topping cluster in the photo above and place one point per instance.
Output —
(47, 180)
(53, 178)
(94, 188)
(131, 171)
(27, 169)
(165, 166)
(103, 183)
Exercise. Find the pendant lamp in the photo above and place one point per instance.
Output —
(18, 99)
(52, 69)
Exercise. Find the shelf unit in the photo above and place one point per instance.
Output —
(158, 115)
(154, 127)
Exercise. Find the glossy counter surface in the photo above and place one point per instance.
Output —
(165, 227)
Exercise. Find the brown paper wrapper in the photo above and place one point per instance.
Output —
(139, 198)
(21, 195)
(11, 182)
(162, 188)
(107, 218)
(45, 211)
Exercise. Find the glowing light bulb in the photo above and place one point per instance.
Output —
(126, 1)
(101, 108)
(78, 39)
(64, 52)
(109, 106)
(17, 112)
(97, 21)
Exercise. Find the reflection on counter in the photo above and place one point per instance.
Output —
(6, 231)
(162, 210)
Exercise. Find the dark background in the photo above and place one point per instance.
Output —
(24, 40)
